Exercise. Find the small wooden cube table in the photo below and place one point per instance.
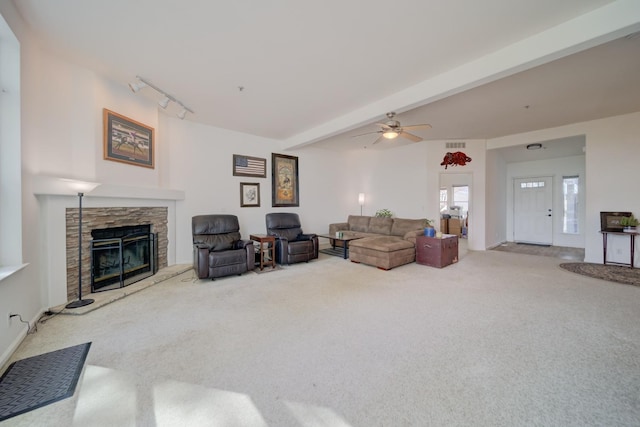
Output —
(267, 247)
(436, 252)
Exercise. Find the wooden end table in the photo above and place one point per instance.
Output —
(267, 247)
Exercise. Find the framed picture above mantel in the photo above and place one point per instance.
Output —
(127, 141)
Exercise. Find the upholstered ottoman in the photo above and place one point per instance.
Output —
(384, 252)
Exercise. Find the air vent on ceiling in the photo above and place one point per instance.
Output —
(456, 144)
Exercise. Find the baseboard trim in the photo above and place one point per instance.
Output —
(496, 245)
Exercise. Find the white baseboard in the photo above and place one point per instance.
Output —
(496, 245)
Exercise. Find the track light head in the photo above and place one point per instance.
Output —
(164, 101)
(182, 113)
(135, 87)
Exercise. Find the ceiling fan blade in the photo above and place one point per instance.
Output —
(368, 133)
(424, 126)
(410, 136)
(380, 138)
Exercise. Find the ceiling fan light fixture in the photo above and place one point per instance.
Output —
(390, 134)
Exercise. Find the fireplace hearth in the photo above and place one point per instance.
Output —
(121, 256)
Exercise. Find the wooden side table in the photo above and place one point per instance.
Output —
(267, 247)
(632, 238)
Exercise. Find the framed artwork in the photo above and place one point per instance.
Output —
(249, 166)
(610, 221)
(249, 194)
(127, 141)
(284, 180)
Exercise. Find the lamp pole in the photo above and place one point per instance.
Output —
(80, 302)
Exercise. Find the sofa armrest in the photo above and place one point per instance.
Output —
(411, 235)
(338, 226)
(241, 244)
(309, 236)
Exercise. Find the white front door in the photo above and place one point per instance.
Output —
(532, 212)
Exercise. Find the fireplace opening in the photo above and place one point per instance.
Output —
(121, 256)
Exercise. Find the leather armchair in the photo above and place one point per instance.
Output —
(218, 249)
(292, 245)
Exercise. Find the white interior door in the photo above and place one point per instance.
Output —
(533, 203)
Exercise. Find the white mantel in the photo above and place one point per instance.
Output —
(54, 198)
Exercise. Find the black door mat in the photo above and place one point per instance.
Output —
(40, 380)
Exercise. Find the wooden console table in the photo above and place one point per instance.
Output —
(267, 247)
(632, 238)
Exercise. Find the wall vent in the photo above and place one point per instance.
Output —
(456, 144)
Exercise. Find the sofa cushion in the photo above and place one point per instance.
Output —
(402, 226)
(382, 243)
(380, 225)
(358, 223)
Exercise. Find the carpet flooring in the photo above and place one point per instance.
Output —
(41, 380)
(497, 339)
(612, 273)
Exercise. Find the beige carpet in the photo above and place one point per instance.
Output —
(498, 339)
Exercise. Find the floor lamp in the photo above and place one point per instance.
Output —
(361, 201)
(81, 187)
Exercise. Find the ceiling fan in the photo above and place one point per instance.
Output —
(392, 129)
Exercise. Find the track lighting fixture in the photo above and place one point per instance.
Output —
(164, 102)
(137, 86)
(166, 98)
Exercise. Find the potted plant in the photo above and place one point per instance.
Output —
(384, 213)
(630, 223)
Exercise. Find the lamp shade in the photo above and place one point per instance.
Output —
(361, 198)
(79, 186)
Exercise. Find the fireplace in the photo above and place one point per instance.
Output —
(121, 256)
(109, 217)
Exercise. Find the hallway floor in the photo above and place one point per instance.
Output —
(573, 254)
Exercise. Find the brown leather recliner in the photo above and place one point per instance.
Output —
(292, 245)
(218, 249)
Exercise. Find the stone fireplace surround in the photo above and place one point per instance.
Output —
(54, 201)
(107, 217)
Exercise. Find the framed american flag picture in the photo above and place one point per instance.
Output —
(249, 166)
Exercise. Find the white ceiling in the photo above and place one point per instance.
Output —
(306, 66)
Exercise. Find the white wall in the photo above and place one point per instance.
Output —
(613, 153)
(201, 164)
(496, 199)
(556, 169)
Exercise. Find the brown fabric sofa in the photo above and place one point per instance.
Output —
(381, 242)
